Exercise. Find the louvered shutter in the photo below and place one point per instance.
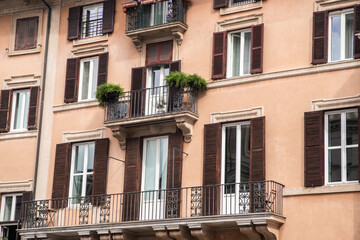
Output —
(26, 196)
(320, 33)
(100, 169)
(72, 79)
(109, 14)
(174, 66)
(18, 201)
(314, 148)
(103, 68)
(257, 42)
(220, 4)
(356, 31)
(5, 108)
(32, 32)
(211, 168)
(61, 178)
(174, 174)
(257, 149)
(33, 106)
(138, 82)
(74, 23)
(20, 37)
(219, 55)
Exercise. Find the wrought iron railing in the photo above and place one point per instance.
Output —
(158, 13)
(188, 202)
(150, 102)
(241, 2)
(91, 28)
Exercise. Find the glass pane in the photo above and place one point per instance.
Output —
(230, 158)
(79, 159)
(236, 38)
(335, 165)
(334, 130)
(17, 120)
(8, 207)
(163, 165)
(94, 78)
(155, 80)
(352, 164)
(159, 14)
(349, 35)
(18, 207)
(247, 51)
(85, 80)
(152, 53)
(150, 165)
(352, 128)
(99, 21)
(91, 151)
(89, 184)
(165, 51)
(335, 38)
(26, 108)
(245, 153)
(77, 187)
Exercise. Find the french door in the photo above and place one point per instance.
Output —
(235, 168)
(154, 174)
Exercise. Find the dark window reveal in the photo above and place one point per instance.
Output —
(26, 33)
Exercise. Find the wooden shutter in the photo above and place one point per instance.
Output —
(357, 31)
(132, 179)
(34, 100)
(32, 32)
(61, 175)
(257, 149)
(314, 148)
(174, 66)
(220, 4)
(103, 68)
(20, 37)
(320, 40)
(74, 23)
(212, 169)
(138, 82)
(219, 55)
(109, 14)
(257, 42)
(26, 196)
(72, 80)
(5, 108)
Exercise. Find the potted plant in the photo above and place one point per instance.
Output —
(108, 93)
(196, 83)
(160, 106)
(176, 80)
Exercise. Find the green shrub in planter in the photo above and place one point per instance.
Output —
(108, 93)
(176, 80)
(196, 83)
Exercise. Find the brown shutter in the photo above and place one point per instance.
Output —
(138, 82)
(61, 174)
(174, 66)
(211, 169)
(132, 179)
(314, 148)
(220, 4)
(74, 23)
(20, 37)
(358, 141)
(26, 196)
(257, 42)
(219, 55)
(109, 14)
(257, 149)
(103, 68)
(5, 109)
(72, 79)
(34, 100)
(320, 33)
(356, 31)
(32, 32)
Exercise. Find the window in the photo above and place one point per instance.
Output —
(154, 14)
(158, 53)
(88, 78)
(82, 165)
(341, 35)
(26, 33)
(10, 207)
(92, 21)
(239, 53)
(20, 110)
(240, 2)
(341, 146)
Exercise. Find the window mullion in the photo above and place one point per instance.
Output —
(22, 109)
(83, 190)
(343, 147)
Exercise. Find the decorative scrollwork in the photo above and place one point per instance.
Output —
(117, 111)
(172, 197)
(196, 201)
(105, 209)
(259, 196)
(244, 198)
(84, 211)
(131, 18)
(43, 210)
(178, 99)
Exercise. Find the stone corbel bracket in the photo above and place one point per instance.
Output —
(138, 43)
(186, 125)
(120, 134)
(258, 229)
(178, 36)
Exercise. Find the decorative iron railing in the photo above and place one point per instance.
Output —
(158, 13)
(91, 28)
(150, 102)
(189, 202)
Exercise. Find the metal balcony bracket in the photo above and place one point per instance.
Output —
(179, 232)
(120, 134)
(186, 125)
(201, 232)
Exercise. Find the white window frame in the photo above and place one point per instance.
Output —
(85, 172)
(232, 4)
(341, 13)
(83, 18)
(93, 78)
(231, 50)
(13, 206)
(24, 119)
(343, 146)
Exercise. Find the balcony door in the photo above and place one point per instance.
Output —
(157, 91)
(235, 168)
(154, 175)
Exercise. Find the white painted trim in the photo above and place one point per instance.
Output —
(13, 206)
(17, 135)
(334, 103)
(322, 5)
(16, 186)
(93, 77)
(239, 22)
(21, 81)
(23, 108)
(239, 115)
(96, 39)
(83, 135)
(90, 50)
(75, 106)
(329, 189)
(240, 8)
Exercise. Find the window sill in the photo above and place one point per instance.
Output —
(75, 106)
(329, 189)
(15, 135)
(25, 51)
(83, 41)
(240, 8)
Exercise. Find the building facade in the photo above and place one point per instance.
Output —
(269, 151)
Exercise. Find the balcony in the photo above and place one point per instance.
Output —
(251, 206)
(152, 111)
